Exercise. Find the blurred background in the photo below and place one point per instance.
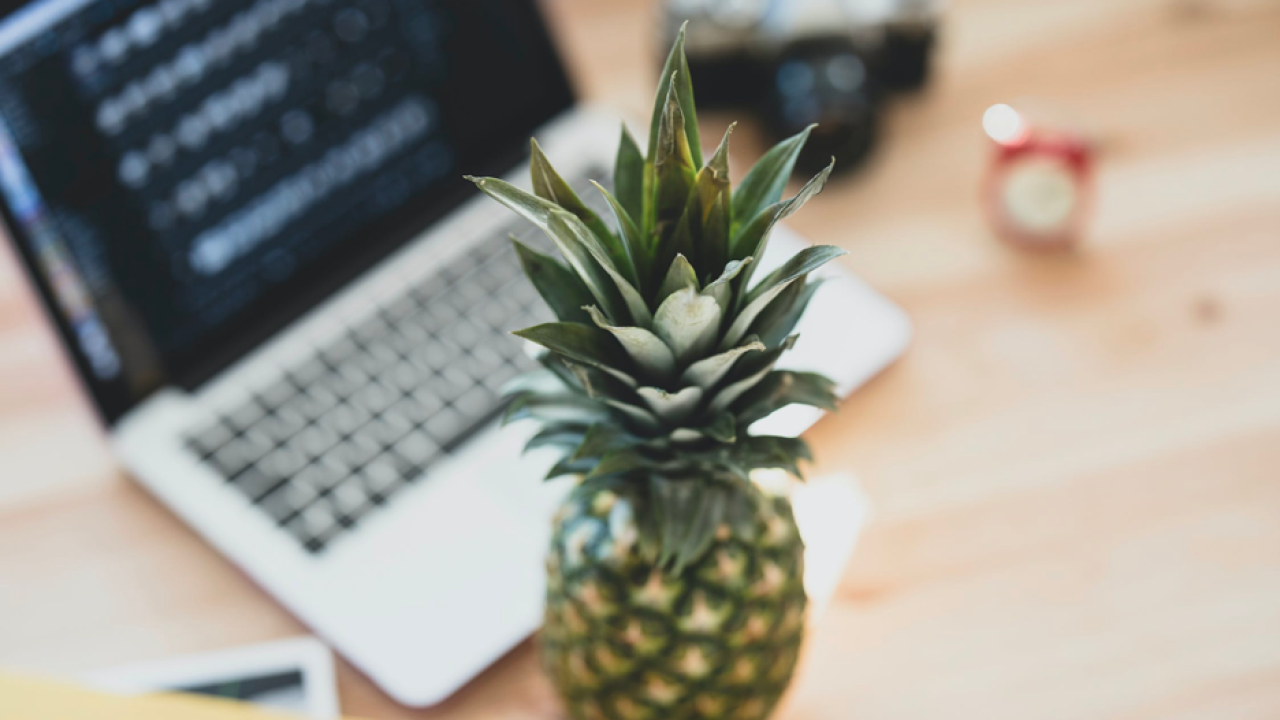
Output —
(1074, 471)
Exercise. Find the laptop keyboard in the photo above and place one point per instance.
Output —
(341, 434)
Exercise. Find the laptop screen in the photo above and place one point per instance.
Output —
(182, 177)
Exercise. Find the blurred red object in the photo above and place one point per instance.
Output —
(1038, 192)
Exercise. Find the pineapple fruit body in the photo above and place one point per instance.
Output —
(625, 639)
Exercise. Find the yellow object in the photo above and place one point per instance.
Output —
(24, 698)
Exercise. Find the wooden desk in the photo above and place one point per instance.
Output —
(1075, 470)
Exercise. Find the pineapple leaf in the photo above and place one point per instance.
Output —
(752, 238)
(569, 467)
(563, 436)
(720, 289)
(595, 442)
(767, 179)
(723, 428)
(632, 240)
(688, 515)
(671, 408)
(584, 344)
(769, 451)
(674, 175)
(628, 176)
(781, 316)
(562, 290)
(781, 388)
(676, 81)
(688, 323)
(800, 264)
(616, 462)
(577, 248)
(710, 206)
(636, 416)
(680, 275)
(548, 185)
(707, 372)
(649, 352)
(571, 231)
(552, 408)
(755, 368)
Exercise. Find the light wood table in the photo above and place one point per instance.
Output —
(1075, 469)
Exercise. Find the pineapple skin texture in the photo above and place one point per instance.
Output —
(623, 640)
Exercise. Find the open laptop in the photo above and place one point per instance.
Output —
(248, 222)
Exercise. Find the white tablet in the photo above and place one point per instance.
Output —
(294, 676)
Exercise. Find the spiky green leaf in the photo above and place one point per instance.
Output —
(628, 176)
(688, 322)
(781, 388)
(765, 182)
(708, 371)
(548, 185)
(672, 408)
(563, 291)
(585, 344)
(800, 264)
(781, 316)
(675, 80)
(648, 351)
(632, 240)
(752, 238)
(572, 233)
(580, 249)
(679, 276)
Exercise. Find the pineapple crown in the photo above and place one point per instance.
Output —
(664, 352)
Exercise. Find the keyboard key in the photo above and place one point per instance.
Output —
(337, 351)
(255, 483)
(277, 394)
(316, 440)
(357, 451)
(285, 501)
(315, 526)
(320, 477)
(282, 424)
(208, 439)
(404, 306)
(382, 477)
(308, 373)
(375, 398)
(245, 415)
(496, 380)
(407, 377)
(476, 402)
(345, 381)
(351, 500)
(426, 401)
(370, 330)
(439, 354)
(346, 418)
(283, 462)
(450, 383)
(387, 429)
(315, 402)
(445, 425)
(230, 460)
(417, 448)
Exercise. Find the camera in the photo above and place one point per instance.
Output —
(799, 62)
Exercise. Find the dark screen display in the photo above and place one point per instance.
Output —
(184, 176)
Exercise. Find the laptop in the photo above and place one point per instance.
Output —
(248, 223)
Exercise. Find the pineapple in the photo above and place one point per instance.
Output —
(674, 580)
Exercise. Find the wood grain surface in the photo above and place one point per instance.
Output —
(1075, 469)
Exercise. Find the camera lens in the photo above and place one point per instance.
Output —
(829, 84)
